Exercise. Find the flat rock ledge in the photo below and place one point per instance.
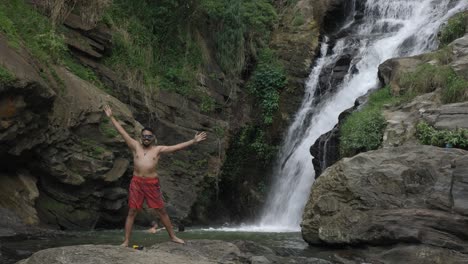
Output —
(194, 252)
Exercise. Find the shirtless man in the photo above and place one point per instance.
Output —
(145, 181)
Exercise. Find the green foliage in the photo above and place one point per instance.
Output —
(298, 20)
(22, 24)
(266, 83)
(8, 28)
(153, 45)
(85, 73)
(107, 129)
(247, 145)
(92, 148)
(252, 139)
(233, 21)
(207, 104)
(6, 76)
(219, 131)
(260, 17)
(428, 135)
(443, 55)
(363, 130)
(455, 28)
(456, 89)
(427, 77)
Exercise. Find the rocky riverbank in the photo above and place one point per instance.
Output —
(197, 251)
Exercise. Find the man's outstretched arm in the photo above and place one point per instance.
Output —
(198, 137)
(129, 140)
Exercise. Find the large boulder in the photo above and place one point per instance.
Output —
(409, 194)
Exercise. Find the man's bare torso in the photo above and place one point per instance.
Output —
(145, 161)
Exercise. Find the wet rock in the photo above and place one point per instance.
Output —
(326, 149)
(389, 196)
(296, 42)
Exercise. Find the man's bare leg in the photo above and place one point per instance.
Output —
(167, 223)
(128, 225)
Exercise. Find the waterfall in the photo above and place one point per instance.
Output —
(386, 29)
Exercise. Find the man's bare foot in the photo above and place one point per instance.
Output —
(153, 230)
(177, 240)
(124, 244)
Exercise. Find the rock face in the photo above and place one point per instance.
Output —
(410, 194)
(296, 42)
(54, 133)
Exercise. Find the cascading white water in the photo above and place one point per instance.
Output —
(388, 29)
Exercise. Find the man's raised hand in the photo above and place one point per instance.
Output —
(108, 110)
(200, 137)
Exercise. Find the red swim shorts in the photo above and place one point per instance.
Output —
(142, 188)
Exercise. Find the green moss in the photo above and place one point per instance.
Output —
(85, 73)
(428, 135)
(363, 130)
(58, 80)
(92, 148)
(207, 104)
(6, 76)
(107, 129)
(455, 28)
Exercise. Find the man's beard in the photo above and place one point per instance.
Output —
(147, 144)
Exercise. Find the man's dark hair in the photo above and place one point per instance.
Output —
(147, 129)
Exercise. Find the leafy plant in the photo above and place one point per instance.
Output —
(266, 83)
(236, 21)
(455, 28)
(456, 89)
(428, 135)
(363, 130)
(207, 104)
